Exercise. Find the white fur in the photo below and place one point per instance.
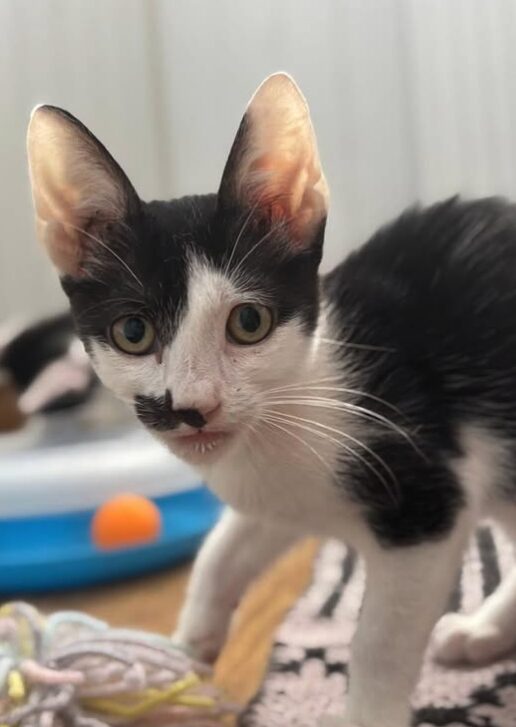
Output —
(266, 470)
(407, 590)
(490, 631)
(482, 468)
(482, 636)
(249, 544)
(127, 376)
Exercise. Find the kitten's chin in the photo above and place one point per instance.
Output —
(198, 448)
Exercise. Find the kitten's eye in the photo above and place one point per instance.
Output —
(249, 323)
(133, 334)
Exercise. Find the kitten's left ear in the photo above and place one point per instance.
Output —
(77, 187)
(274, 163)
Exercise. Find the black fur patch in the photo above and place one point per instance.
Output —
(156, 412)
(432, 298)
(156, 244)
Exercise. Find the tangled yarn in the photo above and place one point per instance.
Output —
(71, 670)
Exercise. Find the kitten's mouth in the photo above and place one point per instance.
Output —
(198, 445)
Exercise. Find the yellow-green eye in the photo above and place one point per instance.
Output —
(133, 334)
(249, 323)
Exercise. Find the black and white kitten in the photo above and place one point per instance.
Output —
(375, 404)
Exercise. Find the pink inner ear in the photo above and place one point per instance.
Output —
(63, 246)
(75, 183)
(274, 163)
(285, 188)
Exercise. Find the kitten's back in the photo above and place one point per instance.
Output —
(437, 289)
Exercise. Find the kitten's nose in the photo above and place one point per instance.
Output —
(197, 418)
(196, 411)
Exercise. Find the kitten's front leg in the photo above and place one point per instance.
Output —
(234, 553)
(406, 592)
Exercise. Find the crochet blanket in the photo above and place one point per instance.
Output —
(308, 671)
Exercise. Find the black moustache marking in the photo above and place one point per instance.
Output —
(157, 413)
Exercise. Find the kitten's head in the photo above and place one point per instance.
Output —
(192, 310)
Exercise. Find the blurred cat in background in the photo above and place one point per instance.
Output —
(47, 365)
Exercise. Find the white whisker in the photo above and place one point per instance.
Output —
(305, 385)
(360, 411)
(350, 344)
(103, 303)
(252, 432)
(341, 389)
(239, 236)
(108, 249)
(356, 455)
(274, 229)
(293, 419)
(274, 422)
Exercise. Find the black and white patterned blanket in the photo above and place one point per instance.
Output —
(308, 672)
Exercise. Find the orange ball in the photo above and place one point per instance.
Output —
(125, 520)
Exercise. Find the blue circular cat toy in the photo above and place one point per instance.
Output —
(52, 488)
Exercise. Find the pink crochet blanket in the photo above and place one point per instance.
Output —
(308, 671)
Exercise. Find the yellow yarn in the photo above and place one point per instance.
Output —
(151, 698)
(194, 700)
(185, 697)
(15, 686)
(26, 640)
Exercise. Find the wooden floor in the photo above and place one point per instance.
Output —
(153, 603)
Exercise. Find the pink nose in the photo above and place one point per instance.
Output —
(197, 415)
(209, 413)
(196, 406)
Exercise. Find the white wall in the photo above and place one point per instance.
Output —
(95, 58)
(412, 99)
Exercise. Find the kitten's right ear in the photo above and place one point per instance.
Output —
(77, 187)
(274, 166)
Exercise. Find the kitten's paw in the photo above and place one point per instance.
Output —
(460, 638)
(204, 648)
